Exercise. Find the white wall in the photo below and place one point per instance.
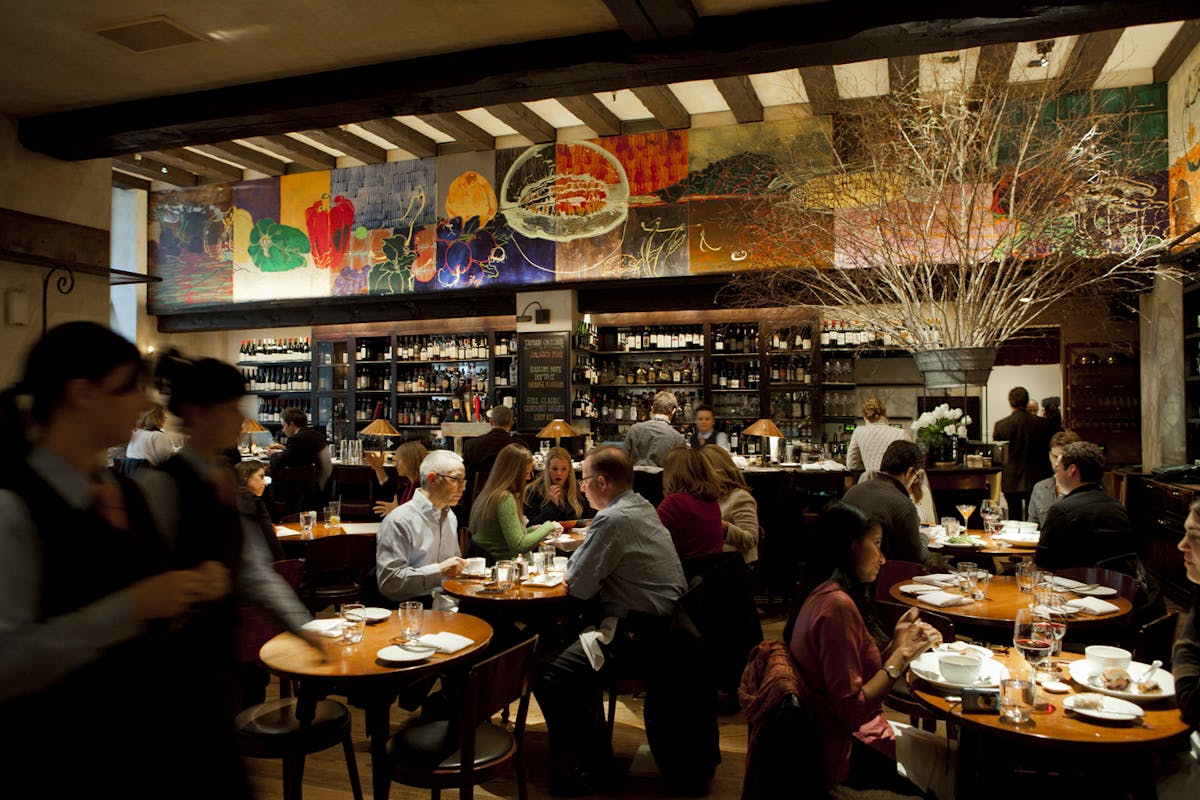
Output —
(1042, 380)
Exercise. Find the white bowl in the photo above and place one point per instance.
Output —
(1100, 657)
(961, 669)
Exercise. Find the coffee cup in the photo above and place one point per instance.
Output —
(960, 669)
(1101, 657)
(476, 565)
(560, 564)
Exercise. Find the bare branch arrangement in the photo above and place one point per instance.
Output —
(958, 218)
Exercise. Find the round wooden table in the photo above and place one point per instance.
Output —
(476, 590)
(355, 671)
(320, 531)
(999, 609)
(1059, 738)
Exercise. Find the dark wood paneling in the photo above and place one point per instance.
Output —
(1089, 57)
(197, 163)
(402, 136)
(593, 113)
(462, 129)
(821, 87)
(524, 121)
(349, 144)
(150, 169)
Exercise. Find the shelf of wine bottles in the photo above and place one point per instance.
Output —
(641, 370)
(270, 409)
(278, 379)
(734, 339)
(469, 377)
(617, 408)
(471, 347)
(274, 351)
(646, 337)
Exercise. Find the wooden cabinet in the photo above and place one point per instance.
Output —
(1103, 403)
(1159, 511)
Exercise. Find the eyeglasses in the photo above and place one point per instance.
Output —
(587, 478)
(456, 478)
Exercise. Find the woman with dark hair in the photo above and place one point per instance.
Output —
(86, 584)
(1180, 776)
(252, 482)
(844, 656)
(193, 498)
(689, 508)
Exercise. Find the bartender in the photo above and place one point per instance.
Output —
(706, 432)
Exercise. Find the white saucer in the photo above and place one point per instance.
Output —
(925, 667)
(1114, 709)
(397, 654)
(372, 614)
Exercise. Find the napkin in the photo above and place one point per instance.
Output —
(545, 580)
(938, 579)
(917, 588)
(1067, 583)
(592, 638)
(445, 642)
(325, 627)
(944, 599)
(280, 530)
(1091, 605)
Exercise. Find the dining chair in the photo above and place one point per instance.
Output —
(336, 569)
(1155, 639)
(461, 753)
(292, 489)
(1126, 585)
(354, 486)
(899, 698)
(272, 730)
(893, 571)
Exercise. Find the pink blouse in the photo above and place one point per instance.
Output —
(836, 656)
(694, 524)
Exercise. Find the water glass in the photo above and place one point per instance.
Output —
(354, 622)
(548, 553)
(983, 582)
(1026, 575)
(504, 574)
(560, 564)
(1016, 699)
(538, 560)
(412, 617)
(951, 525)
(308, 519)
(968, 572)
(333, 516)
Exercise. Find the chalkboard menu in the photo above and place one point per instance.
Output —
(545, 378)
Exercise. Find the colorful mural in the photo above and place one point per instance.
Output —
(1183, 94)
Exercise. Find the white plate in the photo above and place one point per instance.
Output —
(963, 648)
(1054, 612)
(376, 614)
(925, 667)
(487, 573)
(1099, 591)
(1114, 708)
(397, 654)
(1080, 674)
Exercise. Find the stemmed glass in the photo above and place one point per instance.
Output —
(989, 511)
(966, 509)
(1033, 636)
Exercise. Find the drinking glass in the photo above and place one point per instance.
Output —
(503, 574)
(1033, 638)
(989, 511)
(1016, 699)
(545, 448)
(308, 519)
(1026, 574)
(966, 509)
(968, 572)
(333, 516)
(538, 560)
(354, 622)
(412, 617)
(983, 582)
(951, 526)
(548, 552)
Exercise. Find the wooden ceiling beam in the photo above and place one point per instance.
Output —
(1181, 45)
(761, 40)
(348, 143)
(1087, 59)
(821, 86)
(593, 113)
(299, 152)
(462, 129)
(665, 106)
(652, 20)
(402, 136)
(153, 170)
(994, 65)
(197, 163)
(523, 120)
(248, 157)
(121, 180)
(741, 98)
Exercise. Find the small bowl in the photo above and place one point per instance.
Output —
(568, 524)
(960, 669)
(1100, 657)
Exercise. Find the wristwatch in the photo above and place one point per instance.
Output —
(892, 670)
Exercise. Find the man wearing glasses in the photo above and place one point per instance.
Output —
(417, 546)
(629, 566)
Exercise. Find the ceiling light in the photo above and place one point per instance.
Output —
(164, 170)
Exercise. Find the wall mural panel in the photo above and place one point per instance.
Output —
(1183, 93)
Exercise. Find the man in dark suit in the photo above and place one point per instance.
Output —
(480, 453)
(1028, 440)
(1086, 526)
(304, 446)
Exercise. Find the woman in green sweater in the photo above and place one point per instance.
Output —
(497, 524)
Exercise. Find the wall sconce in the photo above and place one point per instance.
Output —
(540, 317)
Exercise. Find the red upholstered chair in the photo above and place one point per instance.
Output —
(893, 571)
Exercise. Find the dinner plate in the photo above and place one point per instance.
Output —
(487, 573)
(925, 667)
(376, 614)
(963, 648)
(1081, 675)
(397, 654)
(1114, 709)
(1099, 591)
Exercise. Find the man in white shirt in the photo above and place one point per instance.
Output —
(706, 432)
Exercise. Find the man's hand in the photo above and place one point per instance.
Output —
(170, 594)
(452, 566)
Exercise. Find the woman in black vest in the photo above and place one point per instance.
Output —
(87, 591)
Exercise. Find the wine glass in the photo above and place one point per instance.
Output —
(1032, 635)
(966, 509)
(989, 511)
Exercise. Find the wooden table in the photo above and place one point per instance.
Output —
(1058, 738)
(355, 671)
(995, 613)
(468, 589)
(320, 531)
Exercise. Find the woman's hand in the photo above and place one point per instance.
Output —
(385, 507)
(373, 459)
(556, 495)
(915, 639)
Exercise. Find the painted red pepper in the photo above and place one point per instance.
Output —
(330, 228)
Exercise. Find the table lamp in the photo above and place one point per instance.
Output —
(557, 429)
(763, 427)
(249, 426)
(381, 429)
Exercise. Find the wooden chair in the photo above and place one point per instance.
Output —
(893, 571)
(355, 487)
(1125, 585)
(293, 489)
(1155, 639)
(899, 698)
(462, 753)
(335, 570)
(271, 730)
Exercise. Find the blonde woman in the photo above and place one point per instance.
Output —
(869, 440)
(555, 495)
(689, 508)
(497, 524)
(408, 466)
(739, 509)
(148, 446)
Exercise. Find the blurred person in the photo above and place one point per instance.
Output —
(689, 509)
(739, 509)
(1028, 438)
(922, 497)
(497, 522)
(554, 495)
(870, 439)
(1045, 493)
(148, 445)
(647, 442)
(706, 432)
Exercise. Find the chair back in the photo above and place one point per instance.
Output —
(293, 489)
(497, 681)
(291, 570)
(336, 567)
(1126, 585)
(1155, 639)
(890, 613)
(893, 571)
(355, 486)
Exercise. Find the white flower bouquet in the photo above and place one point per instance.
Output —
(942, 421)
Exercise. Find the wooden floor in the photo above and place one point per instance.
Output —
(325, 775)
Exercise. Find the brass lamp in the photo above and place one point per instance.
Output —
(765, 428)
(556, 430)
(249, 426)
(381, 429)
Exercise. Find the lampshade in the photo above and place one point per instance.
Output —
(556, 430)
(763, 427)
(251, 426)
(380, 427)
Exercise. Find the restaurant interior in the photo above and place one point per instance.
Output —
(398, 218)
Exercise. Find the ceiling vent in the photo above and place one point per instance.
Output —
(154, 33)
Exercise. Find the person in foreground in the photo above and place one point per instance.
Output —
(689, 508)
(555, 495)
(497, 524)
(1179, 778)
(87, 589)
(849, 664)
(627, 563)
(739, 509)
(417, 545)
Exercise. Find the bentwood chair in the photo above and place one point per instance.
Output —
(292, 489)
(271, 730)
(336, 568)
(461, 753)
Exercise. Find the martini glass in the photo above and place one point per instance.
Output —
(966, 509)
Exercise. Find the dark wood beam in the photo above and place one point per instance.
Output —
(994, 65)
(593, 113)
(665, 106)
(762, 40)
(402, 136)
(739, 94)
(650, 20)
(349, 144)
(299, 152)
(821, 86)
(1088, 58)
(524, 121)
(153, 170)
(197, 163)
(248, 157)
(904, 74)
(121, 180)
(1181, 45)
(462, 129)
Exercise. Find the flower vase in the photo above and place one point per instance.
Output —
(944, 451)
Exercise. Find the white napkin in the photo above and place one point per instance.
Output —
(592, 638)
(548, 580)
(938, 579)
(282, 531)
(325, 627)
(445, 642)
(360, 527)
(917, 588)
(1067, 583)
(1091, 605)
(944, 599)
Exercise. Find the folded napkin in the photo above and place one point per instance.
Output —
(548, 580)
(445, 642)
(592, 638)
(1067, 583)
(917, 588)
(280, 530)
(1091, 605)
(325, 627)
(944, 599)
(938, 579)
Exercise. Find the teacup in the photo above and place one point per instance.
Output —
(476, 566)
(960, 669)
(1100, 657)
